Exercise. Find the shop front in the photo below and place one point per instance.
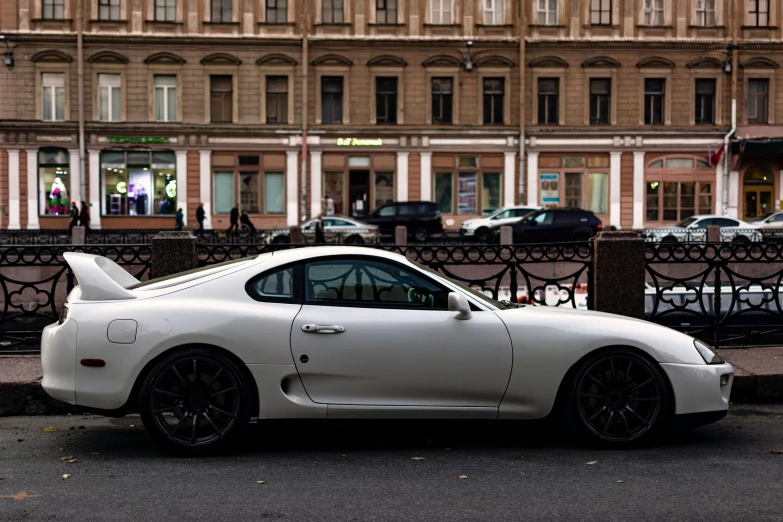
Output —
(466, 186)
(576, 181)
(138, 184)
(677, 186)
(359, 183)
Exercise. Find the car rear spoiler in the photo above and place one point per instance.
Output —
(99, 278)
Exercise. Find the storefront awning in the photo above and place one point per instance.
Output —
(759, 132)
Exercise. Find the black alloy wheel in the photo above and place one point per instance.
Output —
(619, 397)
(354, 240)
(482, 235)
(195, 401)
(420, 234)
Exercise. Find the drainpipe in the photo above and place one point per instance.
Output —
(80, 90)
(726, 139)
(522, 32)
(305, 67)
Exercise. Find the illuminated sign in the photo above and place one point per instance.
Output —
(138, 140)
(356, 142)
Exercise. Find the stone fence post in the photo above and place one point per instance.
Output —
(618, 274)
(295, 236)
(173, 252)
(77, 235)
(401, 235)
(713, 234)
(506, 235)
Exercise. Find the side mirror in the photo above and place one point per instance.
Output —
(459, 306)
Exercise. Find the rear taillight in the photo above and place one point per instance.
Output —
(599, 226)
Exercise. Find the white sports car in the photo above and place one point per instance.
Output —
(352, 332)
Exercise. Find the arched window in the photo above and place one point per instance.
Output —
(54, 182)
(677, 187)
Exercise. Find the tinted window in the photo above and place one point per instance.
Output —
(278, 284)
(724, 222)
(567, 218)
(341, 223)
(389, 211)
(777, 219)
(544, 218)
(503, 215)
(365, 282)
(521, 212)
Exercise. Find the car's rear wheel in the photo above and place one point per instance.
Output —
(482, 235)
(617, 398)
(740, 240)
(354, 240)
(420, 234)
(195, 401)
(670, 239)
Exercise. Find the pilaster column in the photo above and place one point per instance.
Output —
(402, 176)
(14, 207)
(95, 188)
(316, 185)
(426, 176)
(532, 178)
(292, 188)
(182, 182)
(74, 171)
(615, 175)
(32, 189)
(734, 188)
(205, 184)
(638, 189)
(509, 176)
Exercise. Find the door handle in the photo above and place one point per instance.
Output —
(322, 328)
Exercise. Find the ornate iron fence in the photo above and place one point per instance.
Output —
(722, 293)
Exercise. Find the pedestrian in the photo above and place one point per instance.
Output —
(179, 220)
(234, 219)
(245, 220)
(320, 239)
(200, 217)
(84, 216)
(74, 217)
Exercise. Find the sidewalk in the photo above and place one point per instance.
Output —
(758, 378)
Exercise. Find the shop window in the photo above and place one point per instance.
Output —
(165, 97)
(494, 12)
(573, 190)
(490, 192)
(653, 12)
(654, 92)
(223, 185)
(248, 192)
(442, 100)
(441, 12)
(758, 100)
(674, 201)
(277, 99)
(53, 9)
(598, 189)
(493, 100)
(444, 192)
(705, 101)
(474, 192)
(333, 11)
(705, 13)
(547, 12)
(334, 189)
(139, 183)
(109, 97)
(548, 100)
(276, 11)
(221, 11)
(54, 181)
(467, 162)
(274, 190)
(386, 100)
(386, 11)
(384, 188)
(758, 13)
(240, 181)
(109, 10)
(600, 99)
(679, 163)
(332, 99)
(165, 10)
(222, 97)
(601, 12)
(53, 96)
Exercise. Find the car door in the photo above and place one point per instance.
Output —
(541, 230)
(385, 218)
(375, 332)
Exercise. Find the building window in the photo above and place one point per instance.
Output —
(600, 100)
(276, 11)
(758, 100)
(601, 12)
(241, 179)
(53, 9)
(705, 101)
(109, 97)
(165, 10)
(277, 99)
(53, 96)
(54, 182)
(654, 92)
(705, 13)
(758, 13)
(441, 12)
(165, 97)
(494, 91)
(333, 11)
(474, 192)
(547, 12)
(385, 11)
(139, 183)
(494, 12)
(221, 98)
(548, 100)
(442, 99)
(109, 10)
(221, 11)
(332, 99)
(668, 198)
(386, 100)
(653, 12)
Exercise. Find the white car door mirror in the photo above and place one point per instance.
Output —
(459, 305)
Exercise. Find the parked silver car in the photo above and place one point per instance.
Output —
(337, 229)
(694, 229)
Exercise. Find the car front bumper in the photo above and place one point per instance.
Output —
(467, 232)
(697, 387)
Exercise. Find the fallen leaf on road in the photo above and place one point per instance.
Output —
(463, 476)
(776, 452)
(619, 481)
(591, 462)
(522, 457)
(418, 458)
(66, 476)
(66, 458)
(48, 430)
(260, 481)
(71, 461)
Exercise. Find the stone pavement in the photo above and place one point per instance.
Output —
(758, 378)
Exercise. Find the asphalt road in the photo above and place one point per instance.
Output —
(318, 471)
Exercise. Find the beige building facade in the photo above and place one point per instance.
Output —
(141, 107)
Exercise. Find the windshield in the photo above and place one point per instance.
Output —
(478, 295)
(685, 223)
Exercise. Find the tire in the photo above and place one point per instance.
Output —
(482, 235)
(354, 240)
(609, 405)
(740, 240)
(420, 234)
(195, 420)
(582, 237)
(670, 239)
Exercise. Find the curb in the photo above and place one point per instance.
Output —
(29, 398)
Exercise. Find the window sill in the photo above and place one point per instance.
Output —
(697, 27)
(391, 24)
(554, 26)
(330, 24)
(99, 21)
(52, 20)
(165, 22)
(284, 24)
(220, 23)
(599, 26)
(442, 25)
(506, 26)
(644, 26)
(759, 26)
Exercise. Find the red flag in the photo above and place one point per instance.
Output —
(715, 158)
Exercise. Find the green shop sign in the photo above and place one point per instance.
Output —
(138, 140)
(356, 142)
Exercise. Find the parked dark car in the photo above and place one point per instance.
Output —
(556, 225)
(422, 218)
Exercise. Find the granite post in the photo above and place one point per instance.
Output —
(78, 235)
(401, 235)
(173, 252)
(713, 234)
(295, 236)
(506, 235)
(618, 274)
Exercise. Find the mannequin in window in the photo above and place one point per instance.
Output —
(58, 197)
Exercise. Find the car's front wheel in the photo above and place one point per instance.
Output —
(195, 401)
(618, 397)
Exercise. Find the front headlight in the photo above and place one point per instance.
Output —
(707, 353)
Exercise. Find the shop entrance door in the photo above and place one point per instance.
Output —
(758, 201)
(359, 192)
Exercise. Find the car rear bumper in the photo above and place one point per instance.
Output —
(58, 359)
(697, 387)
